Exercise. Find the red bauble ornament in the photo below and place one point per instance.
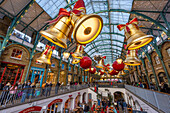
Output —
(85, 62)
(114, 72)
(118, 66)
(92, 70)
(101, 72)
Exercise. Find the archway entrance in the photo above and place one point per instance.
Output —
(77, 101)
(84, 98)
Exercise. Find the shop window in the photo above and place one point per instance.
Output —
(16, 54)
(157, 60)
(168, 51)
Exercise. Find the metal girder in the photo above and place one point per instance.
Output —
(105, 49)
(32, 21)
(139, 27)
(108, 7)
(112, 33)
(104, 45)
(106, 39)
(13, 25)
(139, 14)
(149, 11)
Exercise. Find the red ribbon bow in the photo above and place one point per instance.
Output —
(63, 12)
(122, 26)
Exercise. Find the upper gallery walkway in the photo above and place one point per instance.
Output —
(149, 100)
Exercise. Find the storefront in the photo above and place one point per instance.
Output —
(54, 106)
(36, 75)
(11, 72)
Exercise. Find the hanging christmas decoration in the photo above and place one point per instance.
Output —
(118, 65)
(100, 60)
(46, 55)
(79, 51)
(113, 72)
(126, 68)
(75, 60)
(75, 21)
(102, 72)
(132, 58)
(135, 38)
(66, 55)
(92, 70)
(85, 62)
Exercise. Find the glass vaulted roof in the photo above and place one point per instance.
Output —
(110, 42)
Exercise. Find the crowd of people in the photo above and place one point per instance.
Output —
(163, 86)
(20, 92)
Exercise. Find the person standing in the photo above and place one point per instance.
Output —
(86, 109)
(25, 92)
(57, 87)
(37, 89)
(32, 89)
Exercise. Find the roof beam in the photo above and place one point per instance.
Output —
(150, 11)
(104, 45)
(106, 39)
(108, 7)
(139, 14)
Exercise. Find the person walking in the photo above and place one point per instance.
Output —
(5, 92)
(32, 89)
(86, 108)
(12, 92)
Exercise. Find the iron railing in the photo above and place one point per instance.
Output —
(160, 100)
(20, 96)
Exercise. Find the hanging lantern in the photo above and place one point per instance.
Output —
(113, 72)
(132, 59)
(46, 55)
(75, 21)
(66, 55)
(85, 62)
(79, 51)
(92, 70)
(75, 60)
(118, 65)
(135, 38)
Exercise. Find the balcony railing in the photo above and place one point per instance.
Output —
(21, 96)
(160, 100)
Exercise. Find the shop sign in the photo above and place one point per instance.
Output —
(30, 109)
(55, 101)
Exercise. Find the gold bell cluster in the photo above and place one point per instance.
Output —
(75, 22)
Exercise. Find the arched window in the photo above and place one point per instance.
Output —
(16, 54)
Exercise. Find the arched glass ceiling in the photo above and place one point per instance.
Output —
(109, 19)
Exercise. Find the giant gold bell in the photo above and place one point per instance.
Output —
(79, 52)
(132, 59)
(59, 32)
(86, 27)
(136, 38)
(46, 55)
